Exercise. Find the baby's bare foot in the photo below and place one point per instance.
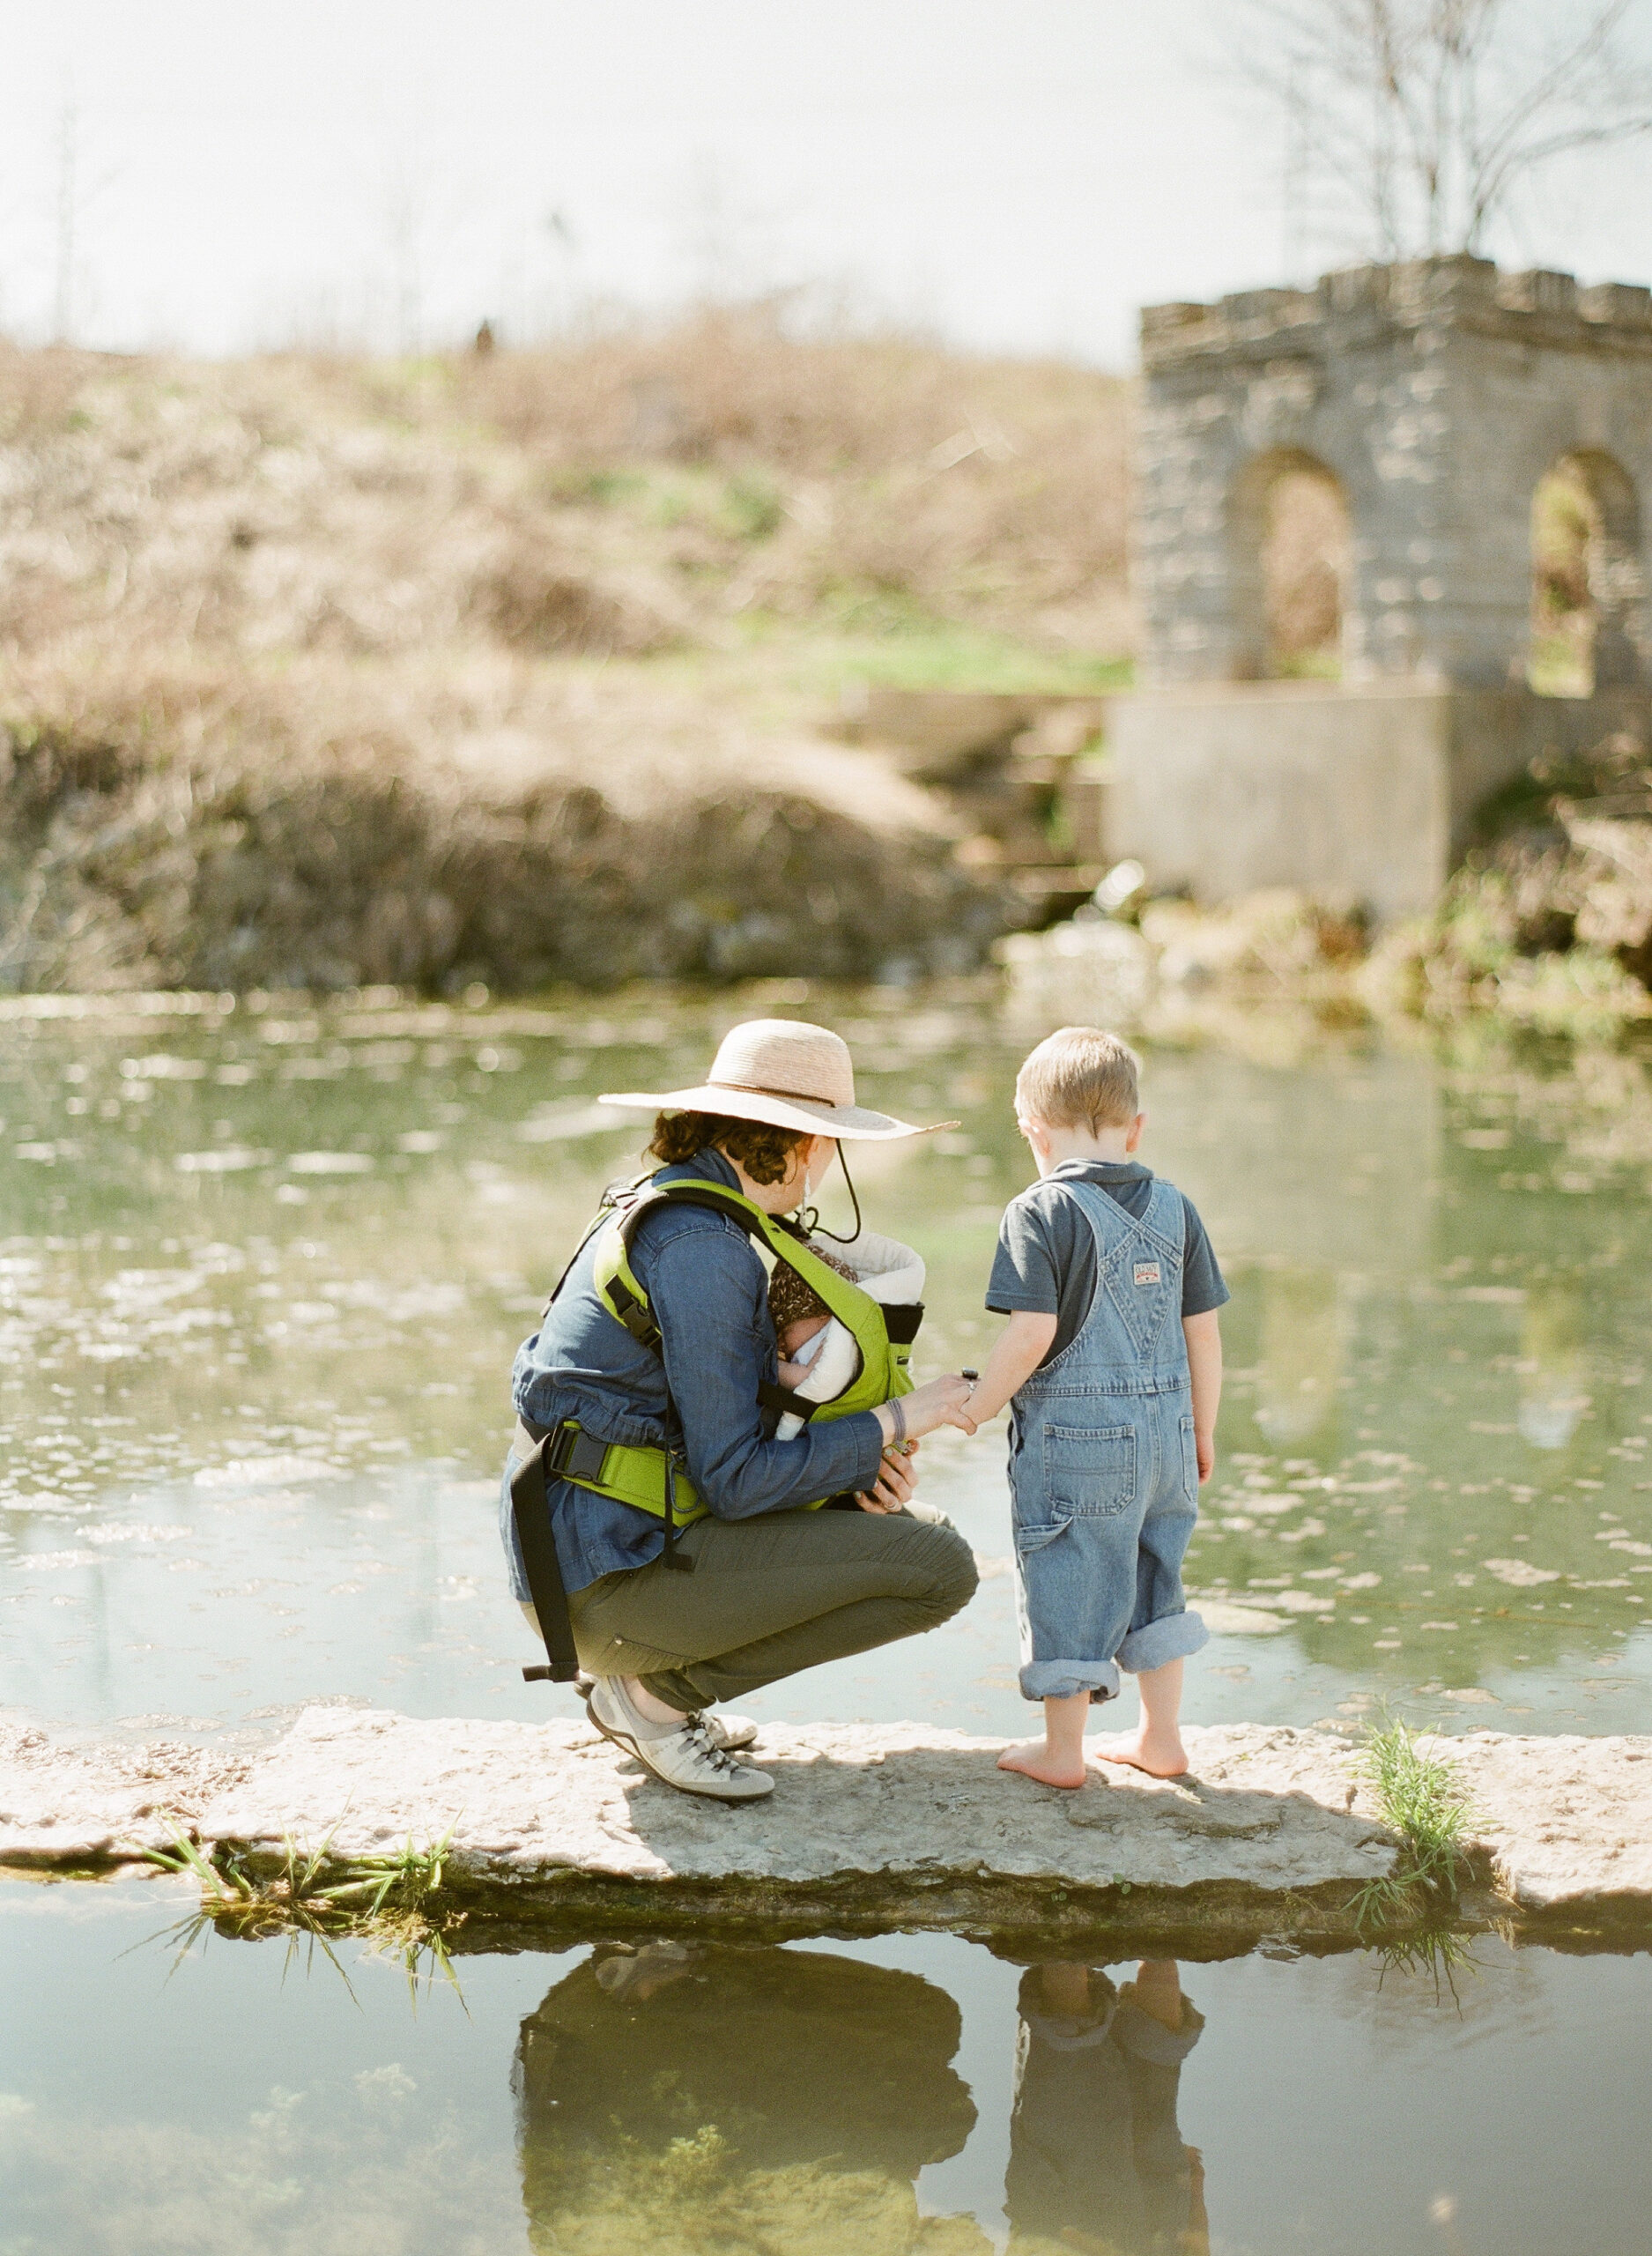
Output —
(1162, 1755)
(1035, 1760)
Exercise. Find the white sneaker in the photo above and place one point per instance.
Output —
(722, 1729)
(729, 1731)
(683, 1755)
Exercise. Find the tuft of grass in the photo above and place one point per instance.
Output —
(1419, 1795)
(315, 1899)
(1438, 1952)
(310, 1888)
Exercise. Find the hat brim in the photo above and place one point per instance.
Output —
(852, 1122)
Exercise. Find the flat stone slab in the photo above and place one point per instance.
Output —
(901, 1822)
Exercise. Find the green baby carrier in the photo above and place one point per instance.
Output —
(655, 1479)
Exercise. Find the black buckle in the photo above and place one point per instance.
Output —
(573, 1455)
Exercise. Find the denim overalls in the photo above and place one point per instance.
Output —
(1104, 1475)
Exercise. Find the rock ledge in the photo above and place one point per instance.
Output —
(893, 1825)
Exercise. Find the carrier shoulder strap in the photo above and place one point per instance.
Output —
(530, 1508)
(621, 1291)
(623, 1295)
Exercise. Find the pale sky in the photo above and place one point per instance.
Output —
(1014, 174)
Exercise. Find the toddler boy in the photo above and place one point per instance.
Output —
(1112, 1355)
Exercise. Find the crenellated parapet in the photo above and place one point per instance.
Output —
(1358, 305)
(1435, 394)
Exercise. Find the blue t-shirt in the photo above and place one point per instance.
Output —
(1046, 1257)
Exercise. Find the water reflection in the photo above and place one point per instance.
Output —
(904, 2096)
(1551, 1396)
(786, 2098)
(1302, 1350)
(707, 2095)
(1097, 2160)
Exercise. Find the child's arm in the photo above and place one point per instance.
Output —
(1203, 1336)
(1019, 1350)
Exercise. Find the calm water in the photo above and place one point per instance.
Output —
(912, 2094)
(262, 1274)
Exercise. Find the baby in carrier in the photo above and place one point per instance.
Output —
(819, 1358)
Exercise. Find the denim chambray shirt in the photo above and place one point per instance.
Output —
(709, 1294)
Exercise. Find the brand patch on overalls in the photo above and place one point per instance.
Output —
(1147, 1273)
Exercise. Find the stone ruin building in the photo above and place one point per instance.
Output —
(1424, 402)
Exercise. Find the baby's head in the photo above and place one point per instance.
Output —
(797, 1310)
(1078, 1093)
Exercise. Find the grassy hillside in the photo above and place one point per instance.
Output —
(513, 666)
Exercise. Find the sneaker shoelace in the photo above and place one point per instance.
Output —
(704, 1746)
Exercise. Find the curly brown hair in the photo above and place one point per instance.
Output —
(763, 1151)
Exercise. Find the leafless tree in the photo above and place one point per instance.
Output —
(1429, 114)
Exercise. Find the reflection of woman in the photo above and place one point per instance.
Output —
(773, 1588)
(773, 2088)
(1096, 2158)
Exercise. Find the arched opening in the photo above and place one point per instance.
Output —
(1291, 548)
(1588, 583)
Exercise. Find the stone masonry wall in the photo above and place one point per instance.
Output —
(1438, 393)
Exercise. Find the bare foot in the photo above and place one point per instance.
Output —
(1035, 1760)
(1161, 1756)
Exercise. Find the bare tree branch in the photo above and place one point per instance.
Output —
(1428, 114)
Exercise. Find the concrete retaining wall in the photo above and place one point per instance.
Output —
(1368, 792)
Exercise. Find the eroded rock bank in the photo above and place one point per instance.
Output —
(897, 1825)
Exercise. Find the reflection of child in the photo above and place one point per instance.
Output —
(817, 1354)
(1096, 2157)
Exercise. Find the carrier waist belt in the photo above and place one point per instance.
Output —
(632, 1476)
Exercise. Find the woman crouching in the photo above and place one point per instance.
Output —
(645, 1384)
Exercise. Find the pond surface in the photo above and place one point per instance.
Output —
(263, 1269)
(913, 2093)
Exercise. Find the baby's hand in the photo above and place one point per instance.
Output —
(793, 1374)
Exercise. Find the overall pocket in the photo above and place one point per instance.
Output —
(1033, 1537)
(1089, 1471)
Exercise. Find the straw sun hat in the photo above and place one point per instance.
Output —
(786, 1072)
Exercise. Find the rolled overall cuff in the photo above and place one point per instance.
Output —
(1060, 1680)
(1172, 1637)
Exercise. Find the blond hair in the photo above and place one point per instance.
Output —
(1080, 1076)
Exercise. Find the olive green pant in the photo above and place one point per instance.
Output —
(769, 1597)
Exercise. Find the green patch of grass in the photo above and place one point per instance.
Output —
(315, 1899)
(881, 639)
(1557, 668)
(1437, 1951)
(309, 1886)
(745, 505)
(750, 507)
(1418, 1794)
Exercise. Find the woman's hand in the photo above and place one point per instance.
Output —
(897, 1483)
(939, 1402)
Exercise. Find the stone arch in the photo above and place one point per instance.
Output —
(1289, 549)
(1589, 577)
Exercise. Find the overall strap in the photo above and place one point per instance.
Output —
(1112, 1223)
(1167, 1217)
(1109, 1223)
